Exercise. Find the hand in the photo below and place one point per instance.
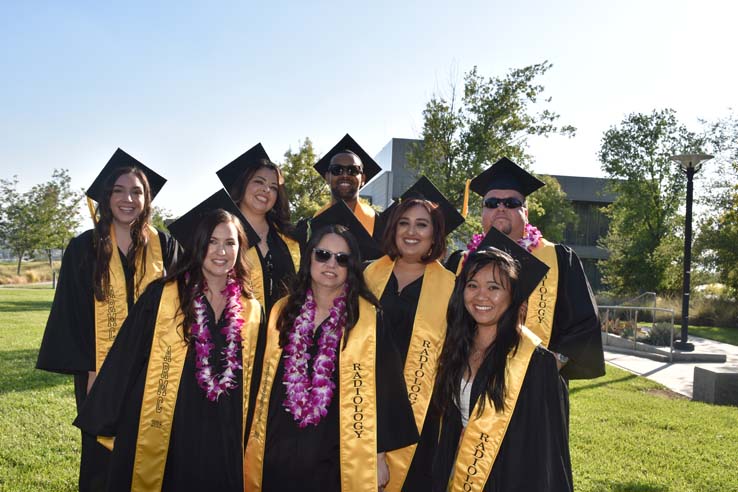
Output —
(382, 471)
(91, 375)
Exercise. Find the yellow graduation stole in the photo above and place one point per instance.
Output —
(364, 213)
(542, 301)
(110, 313)
(483, 436)
(257, 275)
(163, 375)
(357, 405)
(426, 342)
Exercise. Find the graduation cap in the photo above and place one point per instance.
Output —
(121, 159)
(254, 157)
(423, 189)
(370, 166)
(532, 270)
(183, 229)
(340, 213)
(506, 175)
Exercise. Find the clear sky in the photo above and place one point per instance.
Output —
(186, 87)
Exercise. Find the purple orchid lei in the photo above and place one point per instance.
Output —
(531, 237)
(215, 385)
(308, 401)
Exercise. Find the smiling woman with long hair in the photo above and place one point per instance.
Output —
(331, 400)
(174, 390)
(103, 272)
(498, 390)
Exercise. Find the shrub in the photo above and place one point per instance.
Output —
(660, 334)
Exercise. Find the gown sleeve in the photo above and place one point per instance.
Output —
(576, 327)
(170, 250)
(395, 419)
(128, 357)
(452, 263)
(68, 344)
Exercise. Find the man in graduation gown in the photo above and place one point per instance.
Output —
(347, 168)
(562, 311)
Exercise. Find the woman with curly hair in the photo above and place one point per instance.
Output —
(498, 390)
(174, 390)
(331, 400)
(103, 272)
(256, 185)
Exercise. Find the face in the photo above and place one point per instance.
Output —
(486, 297)
(345, 186)
(329, 275)
(414, 233)
(508, 221)
(222, 251)
(260, 194)
(127, 199)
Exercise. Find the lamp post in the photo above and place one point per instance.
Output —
(690, 164)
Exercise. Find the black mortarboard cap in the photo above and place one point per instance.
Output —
(252, 157)
(183, 228)
(371, 168)
(425, 190)
(340, 213)
(505, 175)
(121, 159)
(532, 270)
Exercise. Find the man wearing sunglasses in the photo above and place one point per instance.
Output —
(347, 168)
(562, 310)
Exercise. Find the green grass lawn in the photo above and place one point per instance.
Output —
(627, 433)
(725, 335)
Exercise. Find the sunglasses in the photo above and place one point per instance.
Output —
(338, 170)
(323, 255)
(493, 202)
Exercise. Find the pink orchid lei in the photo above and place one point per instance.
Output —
(531, 237)
(308, 401)
(215, 385)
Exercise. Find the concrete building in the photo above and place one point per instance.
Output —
(588, 196)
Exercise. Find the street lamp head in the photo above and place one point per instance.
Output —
(691, 161)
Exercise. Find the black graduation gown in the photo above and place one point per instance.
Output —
(305, 460)
(576, 325)
(68, 344)
(277, 269)
(534, 455)
(205, 450)
(399, 312)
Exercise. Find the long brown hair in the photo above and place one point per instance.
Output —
(279, 216)
(188, 271)
(104, 247)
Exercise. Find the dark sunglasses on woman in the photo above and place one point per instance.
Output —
(323, 255)
(338, 170)
(493, 202)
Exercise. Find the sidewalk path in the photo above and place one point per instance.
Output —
(675, 376)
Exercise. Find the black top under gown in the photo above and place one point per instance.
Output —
(576, 324)
(399, 313)
(277, 269)
(534, 454)
(68, 344)
(305, 460)
(205, 450)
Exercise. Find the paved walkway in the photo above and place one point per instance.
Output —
(675, 376)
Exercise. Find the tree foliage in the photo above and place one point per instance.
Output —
(643, 237)
(493, 119)
(306, 189)
(43, 218)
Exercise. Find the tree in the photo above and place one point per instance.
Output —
(16, 220)
(717, 232)
(306, 189)
(56, 215)
(642, 239)
(160, 217)
(493, 119)
(551, 212)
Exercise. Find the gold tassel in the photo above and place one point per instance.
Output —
(93, 213)
(465, 206)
